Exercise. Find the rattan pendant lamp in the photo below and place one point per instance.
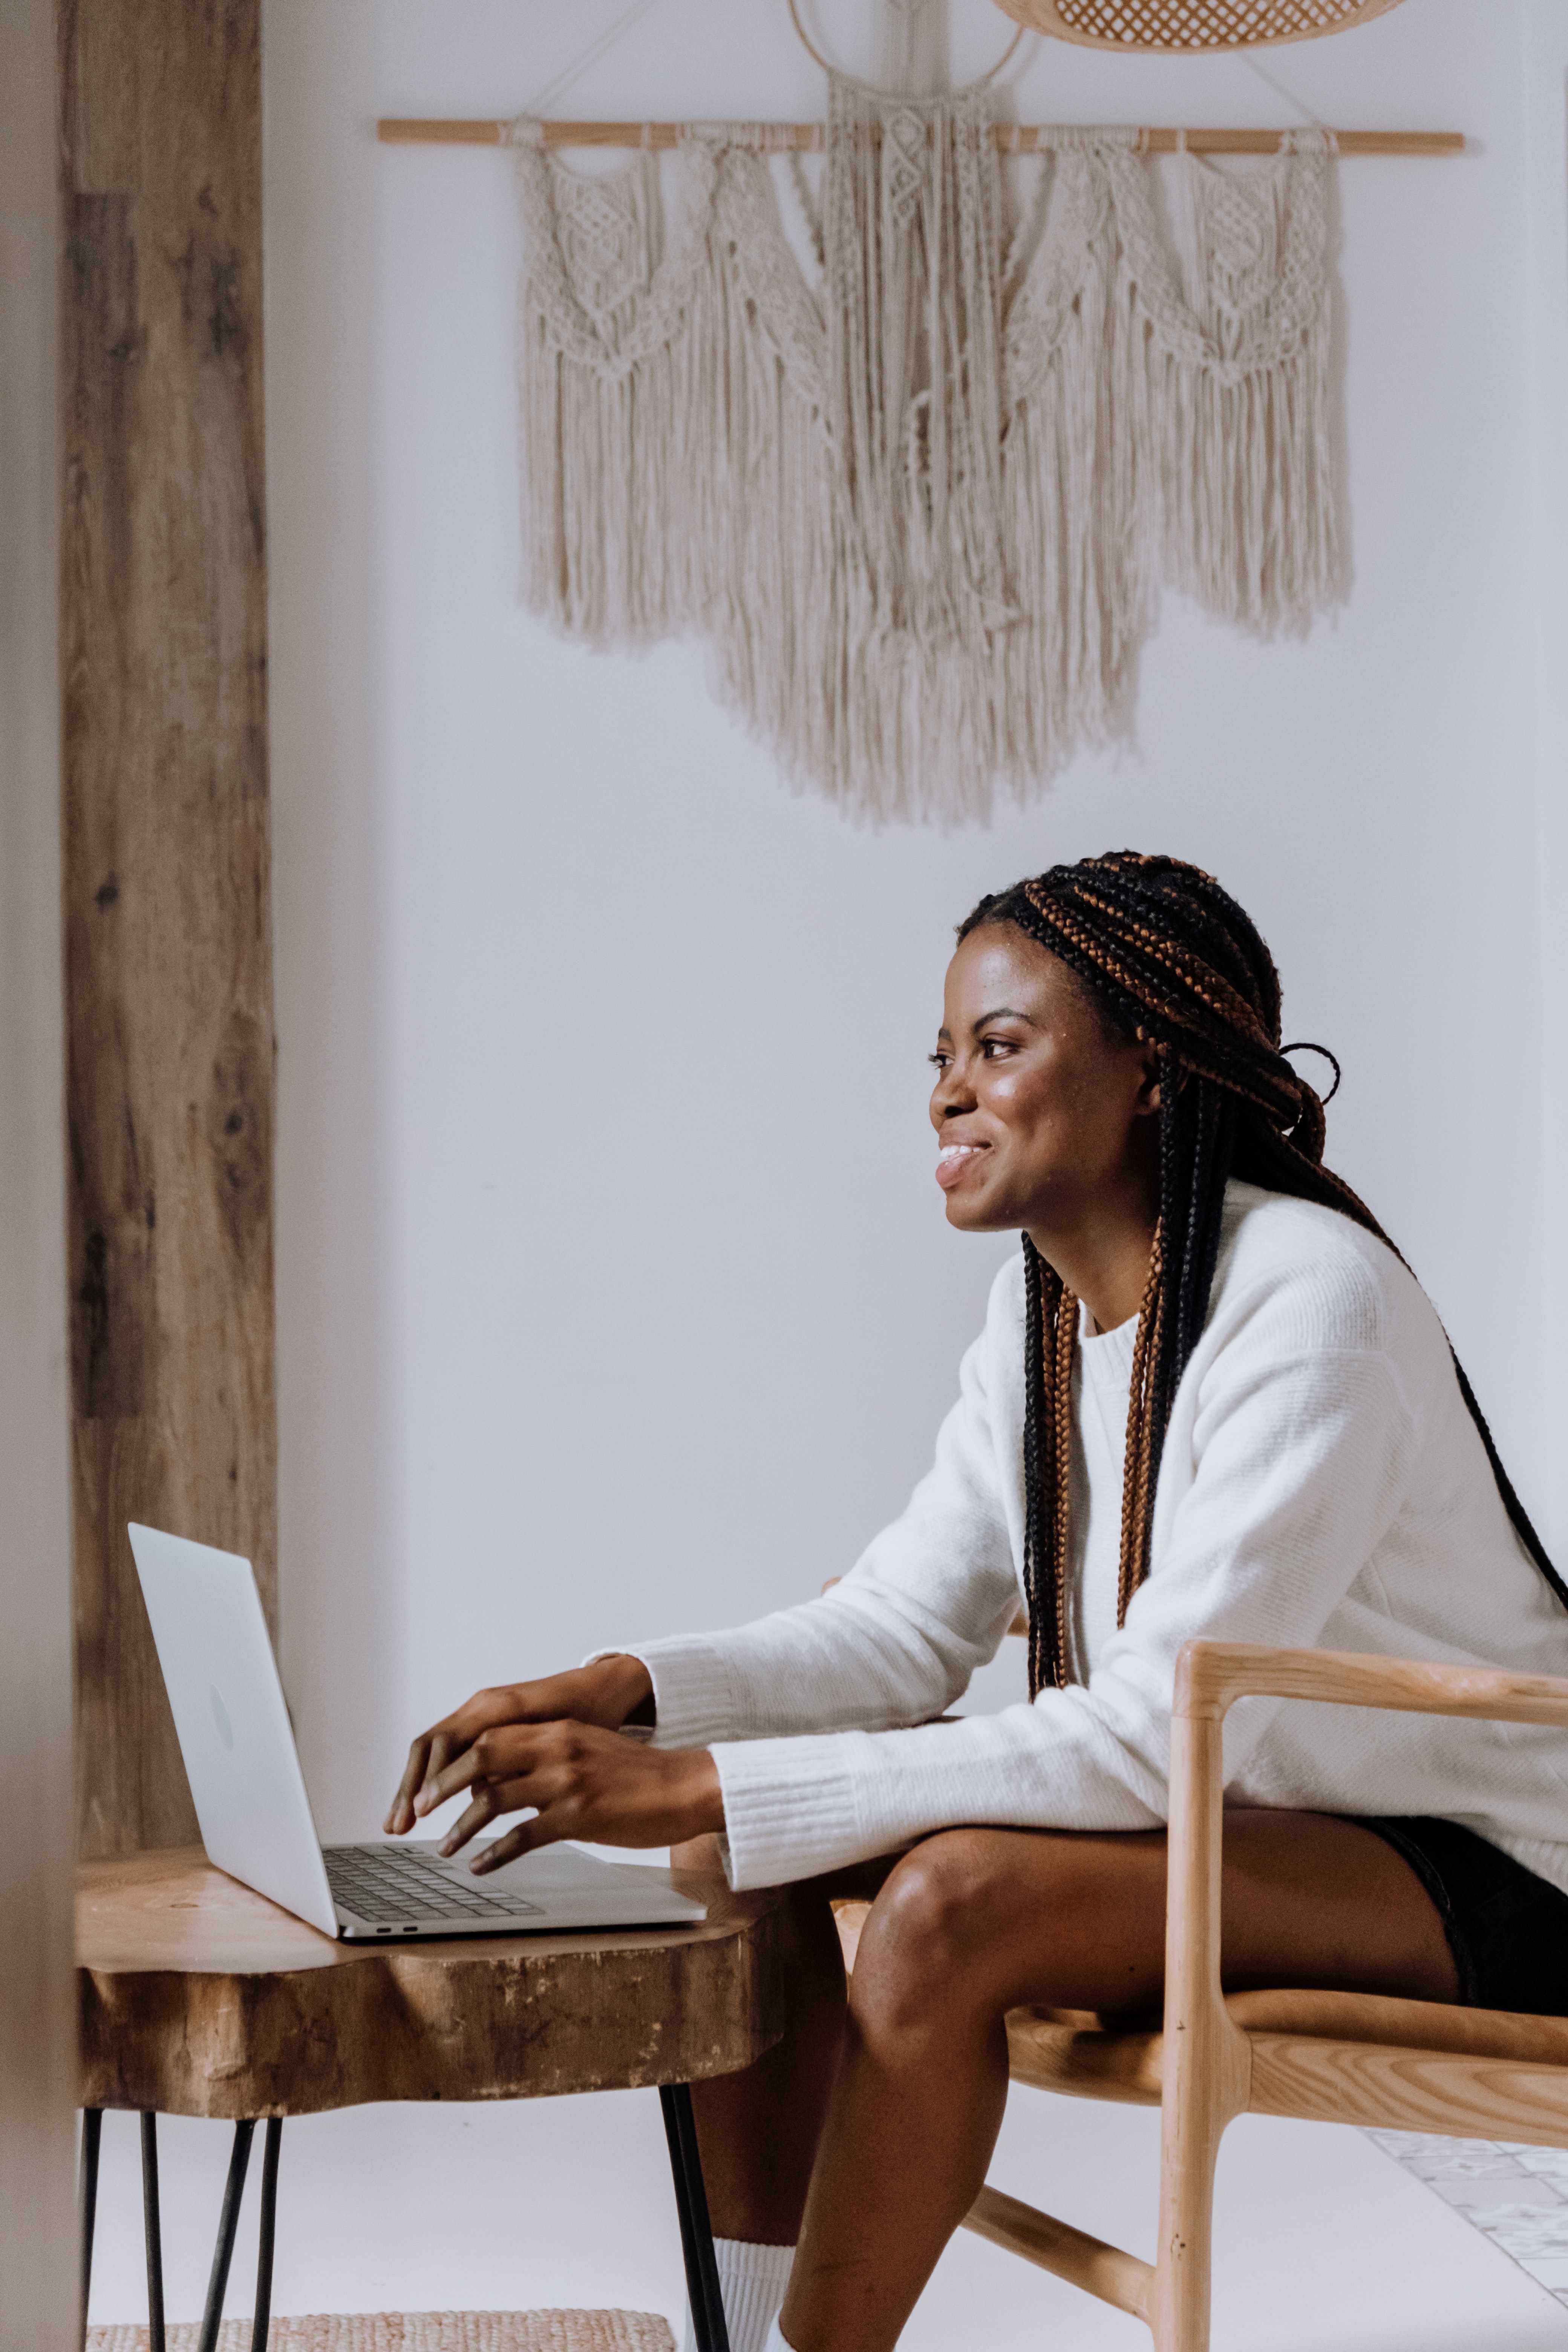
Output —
(1133, 27)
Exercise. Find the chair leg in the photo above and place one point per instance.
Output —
(1180, 2297)
(92, 2132)
(707, 2321)
(228, 2225)
(152, 2224)
(269, 2147)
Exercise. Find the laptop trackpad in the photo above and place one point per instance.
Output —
(574, 1889)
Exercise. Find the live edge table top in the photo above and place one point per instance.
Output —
(198, 1997)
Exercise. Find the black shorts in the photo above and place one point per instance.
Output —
(1507, 1928)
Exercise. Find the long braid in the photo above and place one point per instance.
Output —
(1137, 1484)
(1039, 1549)
(1064, 1336)
(1174, 962)
(1050, 1319)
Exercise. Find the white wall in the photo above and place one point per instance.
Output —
(1546, 44)
(614, 1293)
(38, 2019)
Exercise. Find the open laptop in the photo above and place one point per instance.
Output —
(255, 1816)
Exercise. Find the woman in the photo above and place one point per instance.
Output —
(1209, 1400)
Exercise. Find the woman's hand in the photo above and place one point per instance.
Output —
(606, 1693)
(585, 1782)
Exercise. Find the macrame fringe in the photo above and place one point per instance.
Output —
(923, 521)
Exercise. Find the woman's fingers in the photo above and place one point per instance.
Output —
(523, 1839)
(579, 1780)
(545, 1792)
(434, 1750)
(400, 1812)
(604, 1694)
(427, 1757)
(492, 1755)
(489, 1803)
(582, 1783)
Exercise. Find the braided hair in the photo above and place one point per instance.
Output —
(1172, 961)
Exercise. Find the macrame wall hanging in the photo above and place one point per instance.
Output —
(922, 507)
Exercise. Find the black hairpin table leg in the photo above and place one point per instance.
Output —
(154, 2229)
(270, 2145)
(92, 2132)
(228, 2223)
(707, 2320)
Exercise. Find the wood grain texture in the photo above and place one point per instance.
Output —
(1433, 2026)
(38, 2242)
(1101, 2270)
(169, 996)
(806, 138)
(1051, 2051)
(198, 1997)
(1409, 2090)
(1207, 2060)
(1093, 2058)
(1212, 1675)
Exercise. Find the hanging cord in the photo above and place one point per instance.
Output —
(597, 48)
(1282, 90)
(814, 54)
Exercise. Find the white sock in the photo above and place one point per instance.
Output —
(776, 2341)
(752, 2281)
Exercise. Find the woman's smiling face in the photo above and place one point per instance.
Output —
(1044, 1121)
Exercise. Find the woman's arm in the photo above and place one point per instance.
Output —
(1302, 1465)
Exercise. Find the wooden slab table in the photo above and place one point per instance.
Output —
(198, 1997)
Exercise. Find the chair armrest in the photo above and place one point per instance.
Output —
(1207, 2051)
(1212, 1675)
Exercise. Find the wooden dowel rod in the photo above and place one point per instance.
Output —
(1072, 2254)
(397, 132)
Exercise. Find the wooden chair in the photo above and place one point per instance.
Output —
(1409, 2065)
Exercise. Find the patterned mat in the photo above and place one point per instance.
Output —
(1516, 2196)
(421, 2331)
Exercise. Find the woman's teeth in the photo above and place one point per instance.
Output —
(953, 1159)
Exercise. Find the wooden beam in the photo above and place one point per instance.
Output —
(167, 922)
(38, 1998)
(1023, 139)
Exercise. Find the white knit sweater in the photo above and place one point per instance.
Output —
(1321, 1485)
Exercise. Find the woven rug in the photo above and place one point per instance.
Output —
(421, 2331)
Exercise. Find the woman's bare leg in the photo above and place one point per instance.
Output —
(902, 2104)
(757, 2132)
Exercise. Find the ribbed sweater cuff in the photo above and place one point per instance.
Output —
(693, 1702)
(789, 1808)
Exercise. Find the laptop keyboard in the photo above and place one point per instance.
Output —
(389, 1883)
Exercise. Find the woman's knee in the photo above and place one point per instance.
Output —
(980, 1920)
(925, 1945)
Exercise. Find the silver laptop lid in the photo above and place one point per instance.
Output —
(233, 1725)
